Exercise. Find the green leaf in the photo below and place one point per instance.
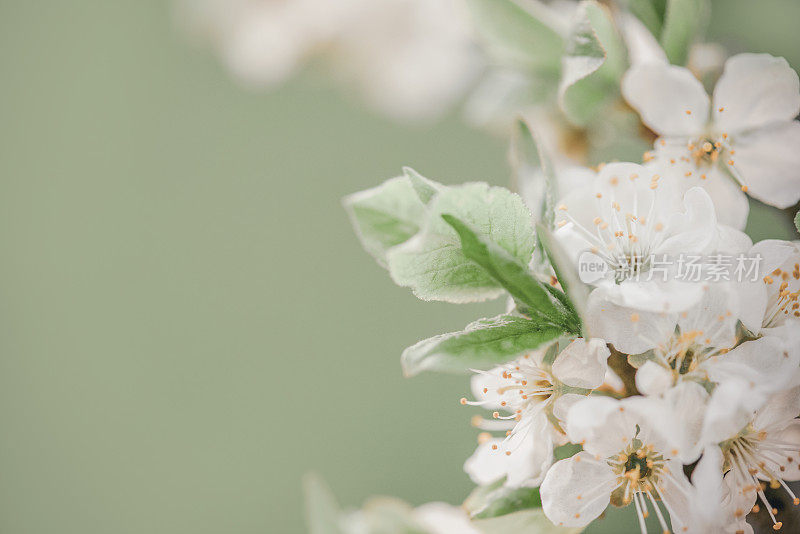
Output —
(322, 511)
(592, 65)
(797, 221)
(528, 36)
(505, 500)
(511, 274)
(577, 293)
(477, 500)
(482, 344)
(433, 264)
(684, 21)
(523, 522)
(425, 189)
(385, 216)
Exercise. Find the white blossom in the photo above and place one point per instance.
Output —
(757, 448)
(627, 218)
(531, 396)
(628, 457)
(773, 306)
(746, 130)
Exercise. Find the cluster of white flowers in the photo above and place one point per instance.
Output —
(621, 373)
(717, 364)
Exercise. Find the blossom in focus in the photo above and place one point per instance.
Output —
(773, 305)
(629, 217)
(757, 448)
(629, 457)
(677, 345)
(531, 396)
(746, 131)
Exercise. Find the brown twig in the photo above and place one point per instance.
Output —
(618, 362)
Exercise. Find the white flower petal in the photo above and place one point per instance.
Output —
(675, 163)
(676, 492)
(755, 90)
(523, 458)
(781, 409)
(769, 164)
(729, 410)
(791, 468)
(531, 454)
(486, 464)
(753, 294)
(602, 425)
(630, 331)
(762, 364)
(732, 241)
(773, 253)
(715, 500)
(730, 203)
(670, 100)
(753, 298)
(686, 404)
(486, 386)
(582, 364)
(787, 335)
(563, 404)
(694, 229)
(577, 490)
(653, 379)
(653, 296)
(713, 320)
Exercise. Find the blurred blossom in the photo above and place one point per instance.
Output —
(411, 59)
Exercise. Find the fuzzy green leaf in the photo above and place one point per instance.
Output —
(514, 276)
(506, 500)
(483, 344)
(385, 216)
(592, 65)
(577, 293)
(433, 264)
(425, 189)
(797, 221)
(528, 36)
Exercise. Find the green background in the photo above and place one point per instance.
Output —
(188, 323)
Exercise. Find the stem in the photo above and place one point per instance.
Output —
(618, 362)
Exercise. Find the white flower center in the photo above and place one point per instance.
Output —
(625, 241)
(686, 352)
(524, 386)
(640, 474)
(706, 150)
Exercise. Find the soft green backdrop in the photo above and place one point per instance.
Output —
(188, 323)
